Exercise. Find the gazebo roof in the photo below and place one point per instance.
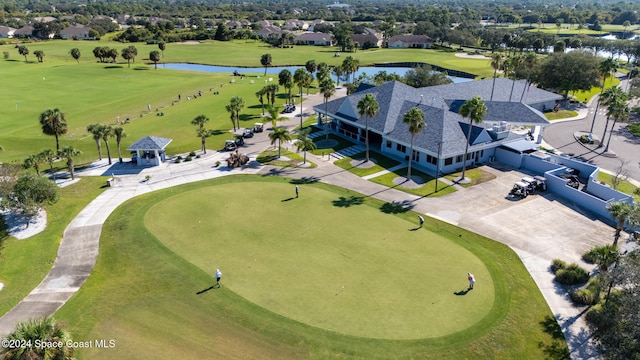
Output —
(150, 143)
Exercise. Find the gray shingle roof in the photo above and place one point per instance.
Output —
(150, 143)
(440, 105)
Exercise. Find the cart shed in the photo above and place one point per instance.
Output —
(149, 151)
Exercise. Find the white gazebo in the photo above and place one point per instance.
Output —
(149, 151)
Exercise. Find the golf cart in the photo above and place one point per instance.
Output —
(531, 183)
(519, 189)
(247, 133)
(230, 145)
(258, 127)
(239, 140)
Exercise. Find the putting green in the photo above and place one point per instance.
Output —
(333, 263)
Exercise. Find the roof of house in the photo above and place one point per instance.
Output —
(25, 30)
(150, 143)
(75, 30)
(414, 39)
(314, 36)
(362, 38)
(7, 30)
(440, 105)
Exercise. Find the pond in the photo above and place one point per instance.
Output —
(275, 70)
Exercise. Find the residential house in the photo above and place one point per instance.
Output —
(367, 41)
(265, 29)
(76, 32)
(234, 24)
(6, 32)
(410, 41)
(442, 143)
(315, 38)
(24, 32)
(295, 24)
(318, 22)
(44, 19)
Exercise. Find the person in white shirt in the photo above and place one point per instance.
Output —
(218, 277)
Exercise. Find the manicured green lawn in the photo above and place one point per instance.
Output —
(381, 163)
(560, 114)
(426, 190)
(634, 129)
(624, 186)
(476, 175)
(24, 263)
(287, 158)
(285, 263)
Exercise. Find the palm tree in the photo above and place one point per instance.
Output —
(34, 161)
(367, 107)
(236, 104)
(311, 66)
(475, 109)
(605, 68)
(107, 132)
(415, 119)
(203, 134)
(274, 115)
(613, 98)
(200, 120)
(305, 143)
(514, 62)
(53, 123)
(307, 81)
(285, 79)
(530, 61)
(337, 71)
(162, 46)
(619, 111)
(271, 91)
(129, 53)
(327, 88)
(260, 95)
(299, 78)
(265, 60)
(620, 211)
(96, 131)
(496, 63)
(48, 155)
(119, 133)
(279, 134)
(69, 153)
(39, 331)
(155, 57)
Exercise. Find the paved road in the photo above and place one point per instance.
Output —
(539, 228)
(623, 144)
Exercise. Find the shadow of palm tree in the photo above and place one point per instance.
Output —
(217, 132)
(557, 349)
(305, 180)
(396, 207)
(347, 202)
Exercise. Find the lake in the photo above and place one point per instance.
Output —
(275, 70)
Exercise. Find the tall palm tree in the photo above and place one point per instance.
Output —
(337, 71)
(260, 95)
(299, 78)
(514, 64)
(323, 72)
(619, 112)
(271, 92)
(327, 88)
(530, 60)
(119, 133)
(40, 331)
(236, 104)
(53, 123)
(415, 119)
(274, 115)
(155, 57)
(612, 98)
(496, 63)
(305, 143)
(475, 110)
(279, 134)
(605, 68)
(107, 132)
(285, 79)
(620, 211)
(96, 131)
(201, 132)
(69, 153)
(367, 107)
(265, 60)
(311, 66)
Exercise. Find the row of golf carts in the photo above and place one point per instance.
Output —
(528, 186)
(238, 140)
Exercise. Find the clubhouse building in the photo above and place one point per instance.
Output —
(441, 145)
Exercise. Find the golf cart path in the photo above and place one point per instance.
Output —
(78, 250)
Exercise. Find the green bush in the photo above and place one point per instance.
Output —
(557, 264)
(178, 160)
(585, 139)
(188, 158)
(192, 154)
(197, 156)
(179, 157)
(590, 295)
(572, 275)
